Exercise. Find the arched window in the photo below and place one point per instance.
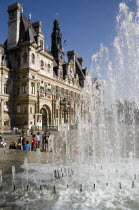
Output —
(33, 58)
(25, 55)
(42, 64)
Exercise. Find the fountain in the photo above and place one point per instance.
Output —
(1, 180)
(96, 165)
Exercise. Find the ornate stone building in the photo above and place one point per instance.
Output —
(37, 87)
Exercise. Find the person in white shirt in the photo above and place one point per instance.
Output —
(38, 139)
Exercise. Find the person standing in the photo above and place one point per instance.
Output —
(22, 132)
(24, 139)
(38, 139)
(33, 147)
(31, 131)
(19, 144)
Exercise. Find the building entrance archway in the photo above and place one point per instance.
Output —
(46, 116)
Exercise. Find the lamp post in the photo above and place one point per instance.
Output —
(38, 97)
(65, 105)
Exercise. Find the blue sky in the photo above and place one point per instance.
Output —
(84, 23)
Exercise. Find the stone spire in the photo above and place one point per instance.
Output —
(56, 48)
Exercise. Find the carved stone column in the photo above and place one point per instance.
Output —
(1, 114)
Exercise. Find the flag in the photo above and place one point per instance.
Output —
(65, 42)
(62, 97)
(42, 92)
(61, 76)
(49, 93)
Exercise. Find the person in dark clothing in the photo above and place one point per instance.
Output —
(1, 145)
(24, 140)
(45, 140)
(22, 132)
(13, 145)
(19, 144)
(31, 131)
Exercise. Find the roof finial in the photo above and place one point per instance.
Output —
(22, 10)
(57, 15)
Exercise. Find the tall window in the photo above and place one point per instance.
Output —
(41, 44)
(56, 113)
(18, 108)
(24, 88)
(25, 109)
(6, 106)
(30, 110)
(49, 67)
(42, 64)
(32, 88)
(25, 55)
(33, 58)
(5, 88)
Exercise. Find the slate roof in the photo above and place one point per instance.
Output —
(79, 69)
(27, 32)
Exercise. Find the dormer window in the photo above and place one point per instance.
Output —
(33, 58)
(25, 55)
(42, 65)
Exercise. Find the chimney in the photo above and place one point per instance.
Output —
(80, 61)
(71, 55)
(13, 25)
(40, 37)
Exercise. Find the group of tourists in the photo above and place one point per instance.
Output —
(24, 144)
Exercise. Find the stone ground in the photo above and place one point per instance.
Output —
(9, 138)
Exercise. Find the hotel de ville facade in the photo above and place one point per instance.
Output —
(37, 87)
